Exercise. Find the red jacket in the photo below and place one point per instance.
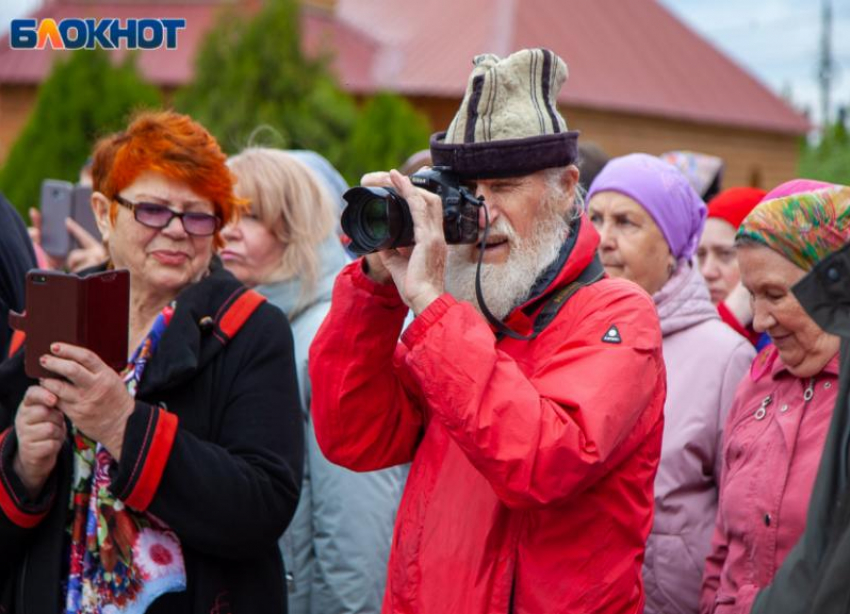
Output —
(532, 461)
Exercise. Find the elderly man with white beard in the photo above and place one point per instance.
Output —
(532, 418)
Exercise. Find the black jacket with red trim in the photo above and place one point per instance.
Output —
(214, 449)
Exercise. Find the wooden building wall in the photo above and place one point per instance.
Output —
(753, 157)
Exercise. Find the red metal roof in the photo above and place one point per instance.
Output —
(623, 55)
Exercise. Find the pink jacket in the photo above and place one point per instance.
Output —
(706, 361)
(771, 449)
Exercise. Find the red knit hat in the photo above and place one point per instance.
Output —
(734, 204)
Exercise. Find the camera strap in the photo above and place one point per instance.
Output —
(592, 273)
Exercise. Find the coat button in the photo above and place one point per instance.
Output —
(767, 520)
(832, 274)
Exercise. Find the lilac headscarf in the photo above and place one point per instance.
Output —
(663, 191)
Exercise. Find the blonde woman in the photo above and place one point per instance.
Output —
(337, 547)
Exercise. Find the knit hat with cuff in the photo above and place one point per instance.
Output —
(508, 124)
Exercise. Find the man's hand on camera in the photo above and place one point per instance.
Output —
(418, 272)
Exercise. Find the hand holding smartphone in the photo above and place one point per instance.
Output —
(61, 200)
(91, 312)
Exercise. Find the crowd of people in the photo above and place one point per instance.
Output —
(623, 395)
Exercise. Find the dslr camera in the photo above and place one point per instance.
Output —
(376, 219)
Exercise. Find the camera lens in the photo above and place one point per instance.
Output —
(374, 219)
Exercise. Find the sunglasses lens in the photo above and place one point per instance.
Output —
(155, 216)
(200, 224)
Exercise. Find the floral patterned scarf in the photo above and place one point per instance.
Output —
(804, 228)
(120, 560)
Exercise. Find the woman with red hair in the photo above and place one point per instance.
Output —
(162, 489)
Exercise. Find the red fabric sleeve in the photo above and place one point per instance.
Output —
(363, 417)
(558, 418)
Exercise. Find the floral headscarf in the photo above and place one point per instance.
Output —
(804, 228)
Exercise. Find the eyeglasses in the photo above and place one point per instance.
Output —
(153, 215)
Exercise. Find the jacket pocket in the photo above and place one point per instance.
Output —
(740, 444)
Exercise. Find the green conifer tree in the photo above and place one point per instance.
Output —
(252, 73)
(388, 131)
(84, 98)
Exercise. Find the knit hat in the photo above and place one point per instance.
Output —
(663, 191)
(734, 204)
(803, 227)
(508, 123)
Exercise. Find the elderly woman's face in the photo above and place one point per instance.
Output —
(803, 346)
(631, 244)
(252, 252)
(718, 260)
(159, 260)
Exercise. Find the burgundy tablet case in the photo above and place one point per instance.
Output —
(92, 312)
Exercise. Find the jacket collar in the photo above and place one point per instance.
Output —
(287, 295)
(768, 363)
(575, 254)
(684, 300)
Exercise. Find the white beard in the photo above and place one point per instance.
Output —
(506, 285)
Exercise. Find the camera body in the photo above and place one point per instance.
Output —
(459, 206)
(376, 219)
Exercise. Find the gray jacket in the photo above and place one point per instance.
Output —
(814, 576)
(338, 543)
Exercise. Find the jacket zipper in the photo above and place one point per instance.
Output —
(761, 412)
(809, 392)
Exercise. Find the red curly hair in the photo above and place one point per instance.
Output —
(171, 144)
